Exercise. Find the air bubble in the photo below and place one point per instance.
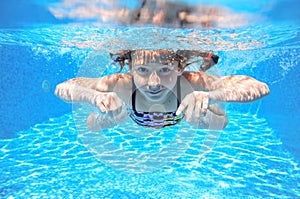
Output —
(46, 86)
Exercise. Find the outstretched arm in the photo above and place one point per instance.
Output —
(77, 90)
(100, 92)
(209, 89)
(238, 88)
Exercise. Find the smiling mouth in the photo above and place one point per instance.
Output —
(154, 92)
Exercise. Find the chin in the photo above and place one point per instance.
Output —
(155, 98)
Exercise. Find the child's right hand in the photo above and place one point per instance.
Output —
(107, 102)
(194, 103)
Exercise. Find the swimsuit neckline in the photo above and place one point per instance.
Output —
(155, 119)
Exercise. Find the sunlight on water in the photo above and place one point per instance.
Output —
(113, 38)
(50, 156)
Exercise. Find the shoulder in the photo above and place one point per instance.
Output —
(107, 83)
(190, 75)
(194, 77)
(199, 80)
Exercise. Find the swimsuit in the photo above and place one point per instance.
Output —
(155, 119)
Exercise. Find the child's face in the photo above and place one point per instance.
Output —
(155, 81)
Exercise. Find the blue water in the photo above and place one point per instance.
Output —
(47, 152)
(248, 160)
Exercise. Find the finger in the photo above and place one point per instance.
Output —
(198, 109)
(121, 116)
(112, 102)
(117, 104)
(90, 122)
(189, 111)
(112, 105)
(106, 106)
(117, 111)
(101, 107)
(181, 107)
(204, 105)
(214, 108)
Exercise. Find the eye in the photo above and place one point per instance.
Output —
(142, 70)
(165, 71)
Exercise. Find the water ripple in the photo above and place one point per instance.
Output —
(248, 159)
(66, 37)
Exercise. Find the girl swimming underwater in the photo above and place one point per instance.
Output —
(158, 92)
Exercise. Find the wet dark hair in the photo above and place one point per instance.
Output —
(183, 57)
(209, 59)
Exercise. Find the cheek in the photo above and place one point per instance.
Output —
(139, 81)
(169, 81)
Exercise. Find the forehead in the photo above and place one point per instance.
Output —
(154, 66)
(143, 57)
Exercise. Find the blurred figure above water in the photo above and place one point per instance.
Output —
(148, 12)
(171, 13)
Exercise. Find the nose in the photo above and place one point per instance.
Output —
(154, 79)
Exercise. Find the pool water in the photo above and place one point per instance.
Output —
(247, 160)
(48, 152)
